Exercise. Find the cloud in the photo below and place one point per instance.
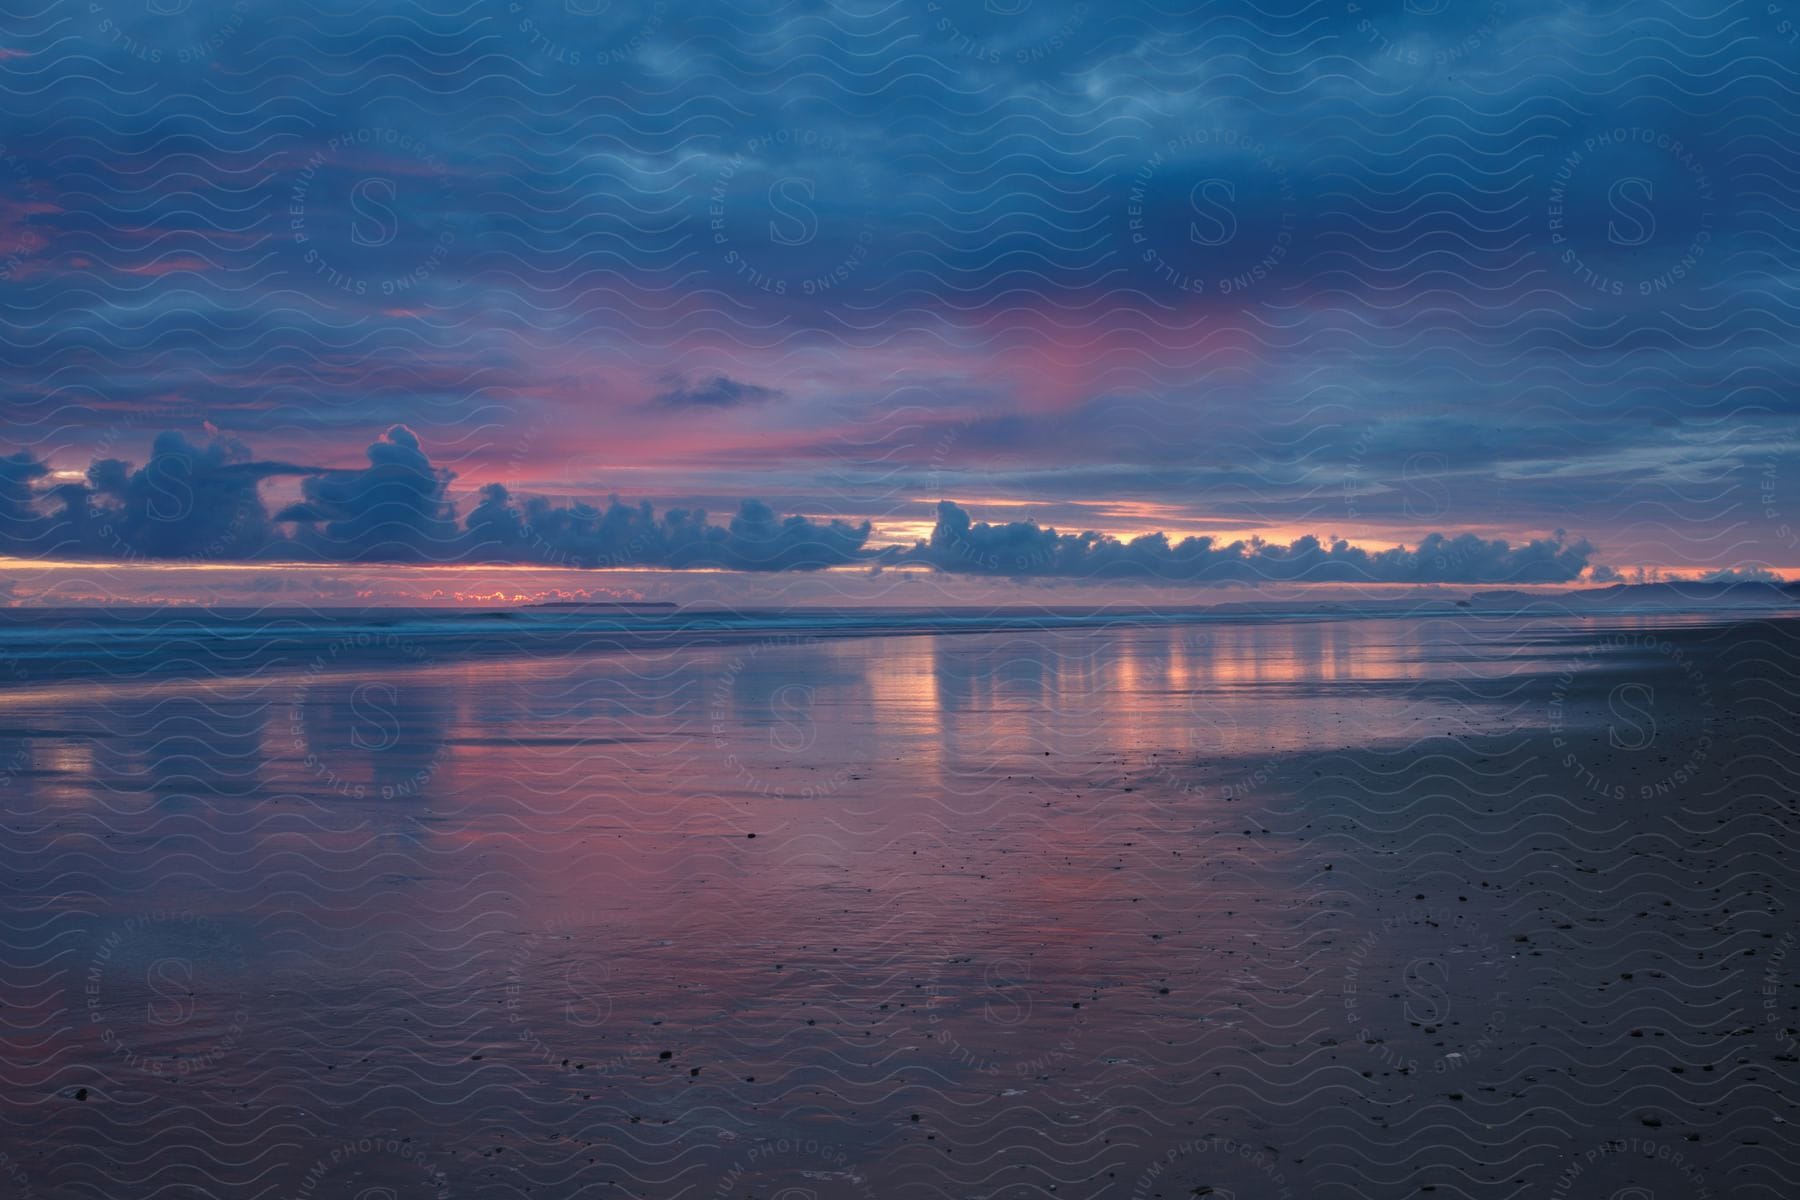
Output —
(1024, 549)
(1742, 575)
(187, 502)
(583, 535)
(979, 275)
(714, 391)
(394, 510)
(203, 502)
(21, 526)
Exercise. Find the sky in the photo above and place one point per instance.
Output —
(805, 299)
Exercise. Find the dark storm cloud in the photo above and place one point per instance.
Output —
(1186, 178)
(780, 195)
(710, 391)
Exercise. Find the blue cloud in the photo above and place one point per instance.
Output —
(203, 503)
(711, 391)
(1549, 232)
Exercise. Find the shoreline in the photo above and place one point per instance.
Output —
(51, 646)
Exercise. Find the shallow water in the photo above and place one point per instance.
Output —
(1117, 911)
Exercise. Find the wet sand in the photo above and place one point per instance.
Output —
(1485, 907)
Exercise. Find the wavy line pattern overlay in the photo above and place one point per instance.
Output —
(931, 847)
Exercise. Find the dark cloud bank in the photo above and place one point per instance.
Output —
(203, 503)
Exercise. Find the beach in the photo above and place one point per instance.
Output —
(1486, 904)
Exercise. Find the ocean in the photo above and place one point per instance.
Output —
(659, 902)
